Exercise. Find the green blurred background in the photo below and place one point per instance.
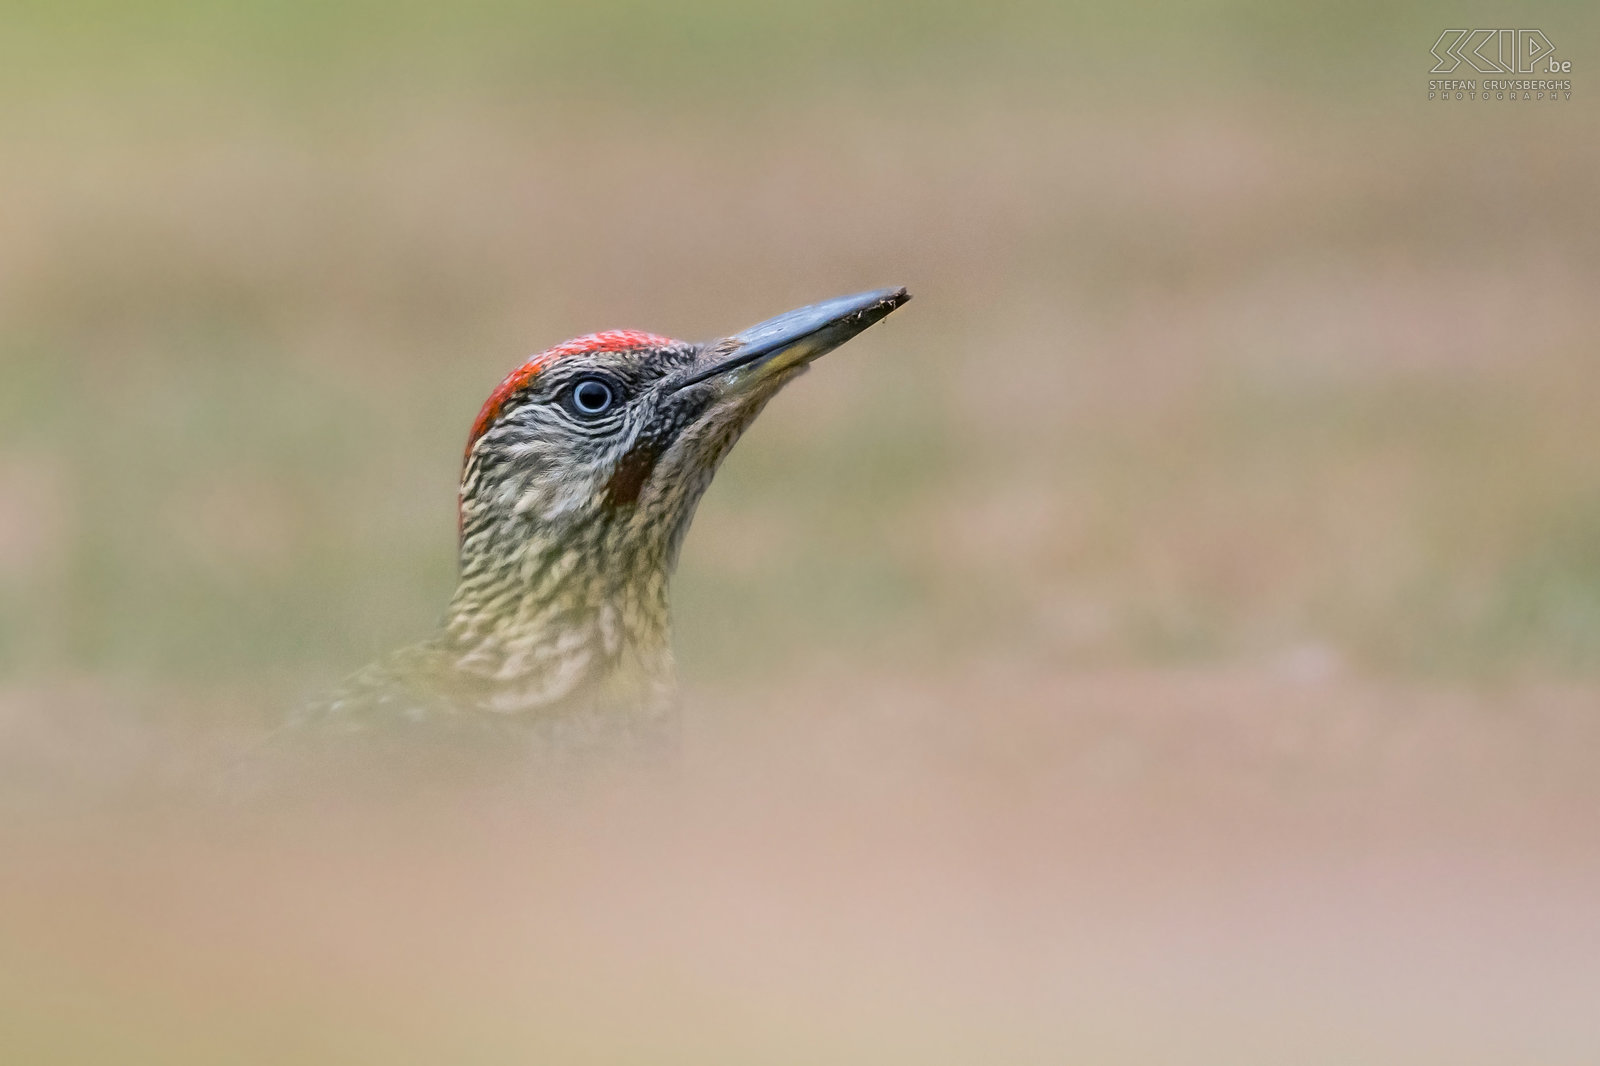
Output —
(1229, 347)
(1172, 638)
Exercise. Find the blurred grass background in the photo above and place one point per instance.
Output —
(1229, 346)
(1174, 637)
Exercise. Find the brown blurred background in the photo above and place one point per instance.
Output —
(1175, 637)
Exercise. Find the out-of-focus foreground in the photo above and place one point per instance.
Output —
(1174, 638)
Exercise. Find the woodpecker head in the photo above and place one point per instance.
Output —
(585, 465)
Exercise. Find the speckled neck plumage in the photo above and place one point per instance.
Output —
(544, 619)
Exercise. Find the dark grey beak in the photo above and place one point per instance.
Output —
(793, 338)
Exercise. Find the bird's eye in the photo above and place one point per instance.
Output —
(591, 397)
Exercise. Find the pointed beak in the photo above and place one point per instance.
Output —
(791, 340)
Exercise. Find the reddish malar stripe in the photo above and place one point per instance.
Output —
(611, 340)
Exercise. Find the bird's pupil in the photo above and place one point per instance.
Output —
(592, 397)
